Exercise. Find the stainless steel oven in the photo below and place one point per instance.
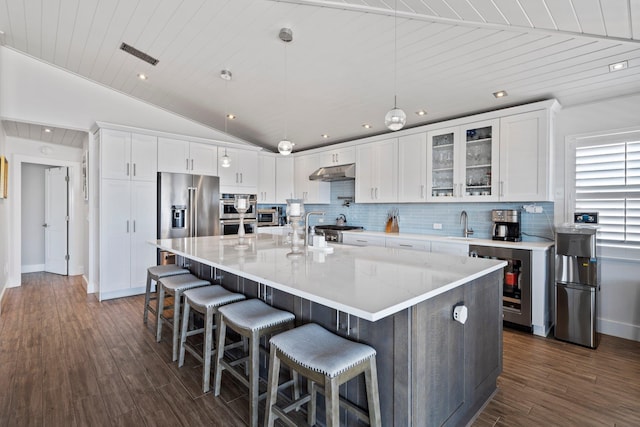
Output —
(231, 226)
(227, 211)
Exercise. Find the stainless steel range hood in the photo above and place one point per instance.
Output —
(335, 173)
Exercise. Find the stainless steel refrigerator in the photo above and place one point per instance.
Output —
(188, 206)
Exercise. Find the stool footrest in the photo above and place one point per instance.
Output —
(357, 411)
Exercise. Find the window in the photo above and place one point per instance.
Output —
(607, 181)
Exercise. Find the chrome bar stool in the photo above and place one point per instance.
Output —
(327, 361)
(174, 285)
(206, 301)
(251, 319)
(156, 273)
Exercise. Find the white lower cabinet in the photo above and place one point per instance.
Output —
(127, 223)
(453, 248)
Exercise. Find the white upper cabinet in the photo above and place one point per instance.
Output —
(310, 191)
(338, 156)
(128, 156)
(266, 178)
(463, 162)
(377, 172)
(525, 147)
(242, 176)
(412, 168)
(180, 156)
(284, 179)
(203, 159)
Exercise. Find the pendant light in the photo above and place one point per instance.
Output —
(285, 147)
(395, 119)
(226, 75)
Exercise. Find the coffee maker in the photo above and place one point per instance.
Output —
(506, 225)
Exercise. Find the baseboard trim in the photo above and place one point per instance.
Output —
(32, 268)
(619, 329)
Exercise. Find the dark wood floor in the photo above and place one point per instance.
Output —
(68, 360)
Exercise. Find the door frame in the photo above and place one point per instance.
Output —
(47, 237)
(75, 265)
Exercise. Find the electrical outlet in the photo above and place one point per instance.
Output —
(532, 209)
(320, 220)
(437, 226)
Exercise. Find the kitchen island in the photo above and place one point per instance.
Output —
(432, 370)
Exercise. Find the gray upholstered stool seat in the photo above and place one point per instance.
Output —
(206, 301)
(174, 285)
(156, 273)
(326, 359)
(251, 319)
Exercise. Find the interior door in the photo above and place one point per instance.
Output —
(56, 225)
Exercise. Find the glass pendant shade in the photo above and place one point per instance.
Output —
(225, 161)
(395, 119)
(285, 147)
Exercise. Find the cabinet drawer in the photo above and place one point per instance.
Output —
(415, 244)
(355, 240)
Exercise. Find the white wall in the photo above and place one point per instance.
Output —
(620, 295)
(32, 217)
(22, 151)
(4, 208)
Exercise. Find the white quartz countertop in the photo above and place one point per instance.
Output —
(367, 282)
(533, 246)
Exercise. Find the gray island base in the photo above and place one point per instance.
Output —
(432, 370)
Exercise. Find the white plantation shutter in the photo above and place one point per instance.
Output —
(607, 181)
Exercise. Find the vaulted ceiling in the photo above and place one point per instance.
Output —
(339, 71)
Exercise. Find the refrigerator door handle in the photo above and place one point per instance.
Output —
(195, 211)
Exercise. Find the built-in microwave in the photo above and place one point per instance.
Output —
(268, 217)
(228, 211)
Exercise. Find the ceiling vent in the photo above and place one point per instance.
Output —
(138, 54)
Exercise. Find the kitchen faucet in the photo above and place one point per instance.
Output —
(466, 230)
(306, 224)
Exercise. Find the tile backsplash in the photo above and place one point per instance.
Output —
(420, 217)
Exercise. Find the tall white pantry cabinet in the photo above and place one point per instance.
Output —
(127, 211)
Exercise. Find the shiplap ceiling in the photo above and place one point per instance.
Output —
(451, 56)
(54, 135)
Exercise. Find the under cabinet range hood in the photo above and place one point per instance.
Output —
(335, 173)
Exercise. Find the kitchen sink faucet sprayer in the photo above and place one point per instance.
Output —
(306, 224)
(464, 219)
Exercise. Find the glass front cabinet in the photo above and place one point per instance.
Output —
(462, 162)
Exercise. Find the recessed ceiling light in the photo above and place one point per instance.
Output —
(226, 75)
(618, 66)
(47, 130)
(325, 136)
(231, 116)
(421, 113)
(500, 94)
(142, 76)
(366, 126)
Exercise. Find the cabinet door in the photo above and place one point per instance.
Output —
(365, 174)
(478, 161)
(441, 176)
(309, 191)
(143, 229)
(524, 158)
(266, 179)
(413, 244)
(385, 167)
(412, 168)
(203, 159)
(173, 155)
(115, 235)
(356, 239)
(248, 170)
(115, 154)
(341, 156)
(144, 157)
(284, 179)
(453, 248)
